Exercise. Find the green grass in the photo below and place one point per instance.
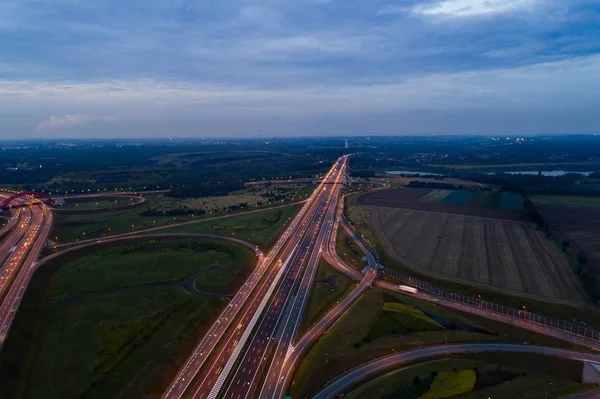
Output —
(485, 199)
(569, 201)
(458, 198)
(137, 264)
(329, 287)
(97, 204)
(347, 344)
(451, 383)
(349, 251)
(397, 318)
(85, 226)
(106, 341)
(533, 384)
(250, 227)
(94, 225)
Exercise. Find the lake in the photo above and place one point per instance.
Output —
(548, 172)
(412, 173)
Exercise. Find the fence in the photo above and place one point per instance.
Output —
(577, 329)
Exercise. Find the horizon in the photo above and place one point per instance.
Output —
(75, 69)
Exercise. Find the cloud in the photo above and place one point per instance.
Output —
(465, 8)
(57, 122)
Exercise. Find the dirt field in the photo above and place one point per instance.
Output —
(580, 226)
(492, 253)
(408, 198)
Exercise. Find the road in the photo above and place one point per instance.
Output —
(225, 340)
(18, 253)
(279, 376)
(370, 369)
(271, 340)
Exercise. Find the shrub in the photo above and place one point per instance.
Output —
(448, 384)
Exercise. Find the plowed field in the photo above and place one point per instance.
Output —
(498, 254)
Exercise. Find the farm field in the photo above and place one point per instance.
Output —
(578, 225)
(569, 201)
(497, 254)
(474, 203)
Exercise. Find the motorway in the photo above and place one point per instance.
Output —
(370, 369)
(252, 349)
(19, 251)
(226, 338)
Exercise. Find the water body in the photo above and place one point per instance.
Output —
(412, 173)
(551, 173)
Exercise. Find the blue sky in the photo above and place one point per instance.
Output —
(114, 68)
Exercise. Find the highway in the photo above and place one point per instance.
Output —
(19, 252)
(224, 341)
(279, 326)
(274, 335)
(279, 376)
(375, 367)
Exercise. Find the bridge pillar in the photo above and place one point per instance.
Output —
(591, 372)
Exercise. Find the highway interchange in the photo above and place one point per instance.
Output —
(253, 347)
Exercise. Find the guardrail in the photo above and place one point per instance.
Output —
(576, 329)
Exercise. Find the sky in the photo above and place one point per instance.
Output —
(234, 68)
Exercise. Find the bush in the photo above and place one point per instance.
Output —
(448, 384)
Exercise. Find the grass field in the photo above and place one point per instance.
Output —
(569, 201)
(97, 204)
(531, 385)
(116, 323)
(495, 254)
(329, 287)
(75, 227)
(458, 198)
(435, 196)
(81, 226)
(349, 251)
(252, 197)
(260, 228)
(347, 344)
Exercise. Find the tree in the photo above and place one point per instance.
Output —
(582, 259)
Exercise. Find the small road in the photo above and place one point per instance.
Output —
(377, 366)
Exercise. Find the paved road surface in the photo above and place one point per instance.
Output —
(18, 253)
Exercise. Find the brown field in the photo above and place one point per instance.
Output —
(495, 254)
(408, 198)
(580, 226)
